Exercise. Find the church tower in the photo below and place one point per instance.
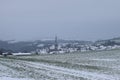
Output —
(56, 43)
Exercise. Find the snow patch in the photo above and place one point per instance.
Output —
(105, 59)
(9, 78)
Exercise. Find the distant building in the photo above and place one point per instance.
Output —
(56, 43)
(54, 48)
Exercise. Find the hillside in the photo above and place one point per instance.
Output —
(28, 46)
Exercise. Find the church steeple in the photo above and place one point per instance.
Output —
(56, 43)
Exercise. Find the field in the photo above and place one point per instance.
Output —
(103, 65)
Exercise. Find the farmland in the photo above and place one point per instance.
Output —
(100, 65)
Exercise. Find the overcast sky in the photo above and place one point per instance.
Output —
(68, 19)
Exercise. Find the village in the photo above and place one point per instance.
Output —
(79, 48)
(74, 47)
(68, 47)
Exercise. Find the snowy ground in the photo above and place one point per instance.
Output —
(103, 65)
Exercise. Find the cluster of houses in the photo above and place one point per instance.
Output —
(64, 48)
(67, 47)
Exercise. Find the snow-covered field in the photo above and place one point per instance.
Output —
(104, 65)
